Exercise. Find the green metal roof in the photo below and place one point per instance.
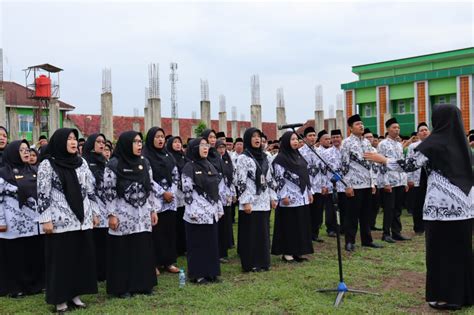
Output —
(452, 54)
(411, 77)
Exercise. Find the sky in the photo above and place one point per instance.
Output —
(292, 45)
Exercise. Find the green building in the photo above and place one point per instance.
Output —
(22, 112)
(409, 88)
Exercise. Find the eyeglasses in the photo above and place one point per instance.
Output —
(24, 150)
(204, 145)
(137, 141)
(100, 141)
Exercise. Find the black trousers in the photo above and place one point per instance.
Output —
(316, 215)
(375, 207)
(417, 210)
(357, 213)
(392, 210)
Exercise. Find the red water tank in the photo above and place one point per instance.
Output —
(43, 86)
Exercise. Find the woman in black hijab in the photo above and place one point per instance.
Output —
(448, 209)
(3, 142)
(254, 182)
(68, 208)
(292, 232)
(174, 146)
(93, 153)
(203, 210)
(165, 178)
(21, 246)
(34, 158)
(223, 165)
(131, 208)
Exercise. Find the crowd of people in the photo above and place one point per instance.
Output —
(74, 211)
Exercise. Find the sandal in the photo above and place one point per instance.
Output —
(172, 269)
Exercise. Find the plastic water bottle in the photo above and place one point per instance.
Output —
(182, 278)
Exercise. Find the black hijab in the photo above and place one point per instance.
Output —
(65, 164)
(162, 163)
(18, 173)
(203, 173)
(257, 154)
(178, 156)
(290, 159)
(226, 163)
(37, 156)
(129, 167)
(95, 160)
(1, 150)
(447, 148)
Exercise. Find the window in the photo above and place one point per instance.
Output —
(367, 111)
(25, 123)
(401, 107)
(453, 99)
(44, 124)
(442, 100)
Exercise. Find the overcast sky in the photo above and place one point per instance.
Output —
(291, 45)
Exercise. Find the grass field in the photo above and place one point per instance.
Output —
(396, 272)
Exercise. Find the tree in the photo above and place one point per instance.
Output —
(200, 128)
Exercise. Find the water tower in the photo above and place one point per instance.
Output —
(42, 86)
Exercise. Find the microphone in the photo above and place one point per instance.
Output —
(292, 126)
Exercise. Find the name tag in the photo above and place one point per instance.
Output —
(127, 170)
(198, 172)
(18, 176)
(262, 179)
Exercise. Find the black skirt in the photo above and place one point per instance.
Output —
(449, 262)
(292, 232)
(180, 232)
(164, 239)
(254, 240)
(225, 232)
(100, 242)
(70, 266)
(22, 265)
(130, 264)
(202, 250)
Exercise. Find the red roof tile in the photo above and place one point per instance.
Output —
(89, 124)
(16, 94)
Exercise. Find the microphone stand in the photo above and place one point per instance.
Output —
(342, 288)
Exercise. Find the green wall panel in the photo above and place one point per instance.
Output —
(401, 91)
(414, 69)
(406, 122)
(371, 123)
(366, 95)
(442, 86)
(376, 74)
(453, 63)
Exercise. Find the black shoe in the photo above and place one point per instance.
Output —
(444, 306)
(201, 281)
(124, 295)
(61, 311)
(215, 279)
(399, 237)
(374, 228)
(77, 306)
(300, 258)
(350, 247)
(332, 234)
(373, 245)
(388, 239)
(17, 295)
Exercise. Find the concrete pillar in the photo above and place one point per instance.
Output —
(175, 126)
(281, 120)
(13, 123)
(146, 118)
(107, 116)
(318, 120)
(36, 125)
(3, 108)
(223, 122)
(155, 105)
(331, 124)
(235, 132)
(340, 124)
(256, 116)
(206, 113)
(53, 119)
